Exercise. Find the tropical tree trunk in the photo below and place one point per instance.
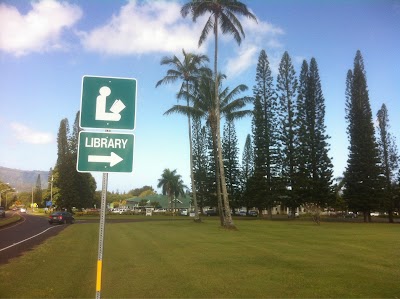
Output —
(219, 197)
(391, 219)
(226, 209)
(217, 172)
(270, 212)
(170, 203)
(228, 221)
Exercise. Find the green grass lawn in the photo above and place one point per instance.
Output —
(9, 220)
(185, 259)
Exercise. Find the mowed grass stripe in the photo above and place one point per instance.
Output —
(185, 259)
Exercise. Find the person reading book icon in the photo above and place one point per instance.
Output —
(115, 109)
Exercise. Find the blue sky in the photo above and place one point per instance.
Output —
(47, 46)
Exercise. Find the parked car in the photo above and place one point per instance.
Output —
(350, 215)
(253, 213)
(2, 212)
(61, 218)
(118, 211)
(22, 210)
(375, 214)
(211, 213)
(240, 213)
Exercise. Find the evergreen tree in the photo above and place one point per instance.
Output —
(314, 175)
(230, 153)
(362, 188)
(200, 161)
(267, 146)
(66, 169)
(257, 186)
(84, 183)
(287, 90)
(247, 171)
(389, 159)
(304, 150)
(71, 188)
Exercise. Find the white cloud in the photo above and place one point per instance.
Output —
(139, 28)
(30, 136)
(39, 30)
(261, 35)
(244, 59)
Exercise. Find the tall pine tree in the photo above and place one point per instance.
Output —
(266, 150)
(66, 169)
(200, 161)
(257, 184)
(84, 183)
(38, 191)
(314, 174)
(247, 170)
(74, 189)
(389, 160)
(362, 187)
(287, 92)
(230, 153)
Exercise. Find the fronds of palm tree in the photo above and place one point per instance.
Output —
(202, 102)
(186, 70)
(171, 185)
(221, 12)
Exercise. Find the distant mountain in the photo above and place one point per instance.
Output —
(23, 180)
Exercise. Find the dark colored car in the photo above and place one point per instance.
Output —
(211, 213)
(61, 218)
(2, 212)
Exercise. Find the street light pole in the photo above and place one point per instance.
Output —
(51, 190)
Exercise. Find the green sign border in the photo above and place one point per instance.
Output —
(125, 166)
(124, 89)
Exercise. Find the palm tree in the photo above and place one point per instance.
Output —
(172, 186)
(203, 106)
(187, 71)
(223, 14)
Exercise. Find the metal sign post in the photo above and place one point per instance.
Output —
(101, 234)
(106, 103)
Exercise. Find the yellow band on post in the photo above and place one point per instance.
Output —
(98, 281)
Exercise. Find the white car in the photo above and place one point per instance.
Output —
(22, 210)
(375, 214)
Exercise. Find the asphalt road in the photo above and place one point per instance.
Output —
(25, 235)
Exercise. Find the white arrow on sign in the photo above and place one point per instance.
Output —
(113, 159)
